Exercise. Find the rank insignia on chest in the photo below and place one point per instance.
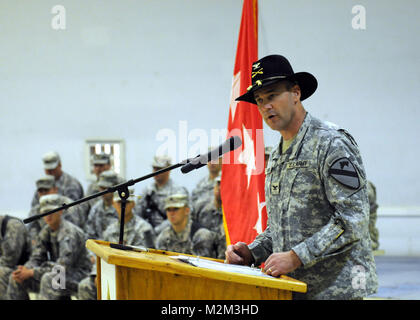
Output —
(297, 164)
(275, 188)
(345, 172)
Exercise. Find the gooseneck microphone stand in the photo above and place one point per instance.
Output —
(123, 192)
(122, 188)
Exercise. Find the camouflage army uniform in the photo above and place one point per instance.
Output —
(35, 226)
(67, 186)
(12, 246)
(210, 217)
(202, 194)
(202, 243)
(137, 232)
(100, 217)
(323, 221)
(152, 195)
(64, 247)
(75, 215)
(373, 231)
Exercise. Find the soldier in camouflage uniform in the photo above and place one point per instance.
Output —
(14, 249)
(183, 235)
(101, 162)
(203, 192)
(373, 230)
(137, 232)
(211, 216)
(103, 213)
(316, 194)
(76, 214)
(151, 205)
(58, 261)
(67, 185)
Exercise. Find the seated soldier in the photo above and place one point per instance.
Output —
(211, 215)
(58, 261)
(152, 202)
(103, 213)
(15, 249)
(101, 162)
(137, 232)
(46, 185)
(67, 185)
(203, 192)
(183, 235)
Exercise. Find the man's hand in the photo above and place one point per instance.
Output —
(22, 273)
(238, 253)
(281, 263)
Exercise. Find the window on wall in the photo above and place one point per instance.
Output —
(115, 148)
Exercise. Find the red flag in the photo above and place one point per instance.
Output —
(243, 177)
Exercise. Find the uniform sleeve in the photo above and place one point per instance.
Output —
(344, 182)
(262, 247)
(38, 260)
(69, 249)
(160, 243)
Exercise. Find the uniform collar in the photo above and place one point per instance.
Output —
(183, 235)
(294, 148)
(296, 144)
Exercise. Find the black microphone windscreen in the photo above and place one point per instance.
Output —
(232, 143)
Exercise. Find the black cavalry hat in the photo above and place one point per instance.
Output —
(273, 68)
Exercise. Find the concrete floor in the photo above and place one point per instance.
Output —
(399, 278)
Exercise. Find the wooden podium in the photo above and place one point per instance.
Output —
(153, 275)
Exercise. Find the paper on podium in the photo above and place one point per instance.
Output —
(214, 265)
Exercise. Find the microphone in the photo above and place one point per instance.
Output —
(201, 160)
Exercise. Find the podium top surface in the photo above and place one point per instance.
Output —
(160, 260)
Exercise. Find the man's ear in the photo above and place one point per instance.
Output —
(296, 93)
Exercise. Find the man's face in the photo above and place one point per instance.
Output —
(177, 216)
(128, 208)
(277, 105)
(43, 192)
(99, 168)
(162, 178)
(107, 196)
(53, 220)
(56, 172)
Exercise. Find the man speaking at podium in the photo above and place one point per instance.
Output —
(316, 195)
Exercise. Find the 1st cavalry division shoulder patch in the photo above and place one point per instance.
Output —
(344, 172)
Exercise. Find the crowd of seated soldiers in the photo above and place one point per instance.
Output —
(164, 216)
